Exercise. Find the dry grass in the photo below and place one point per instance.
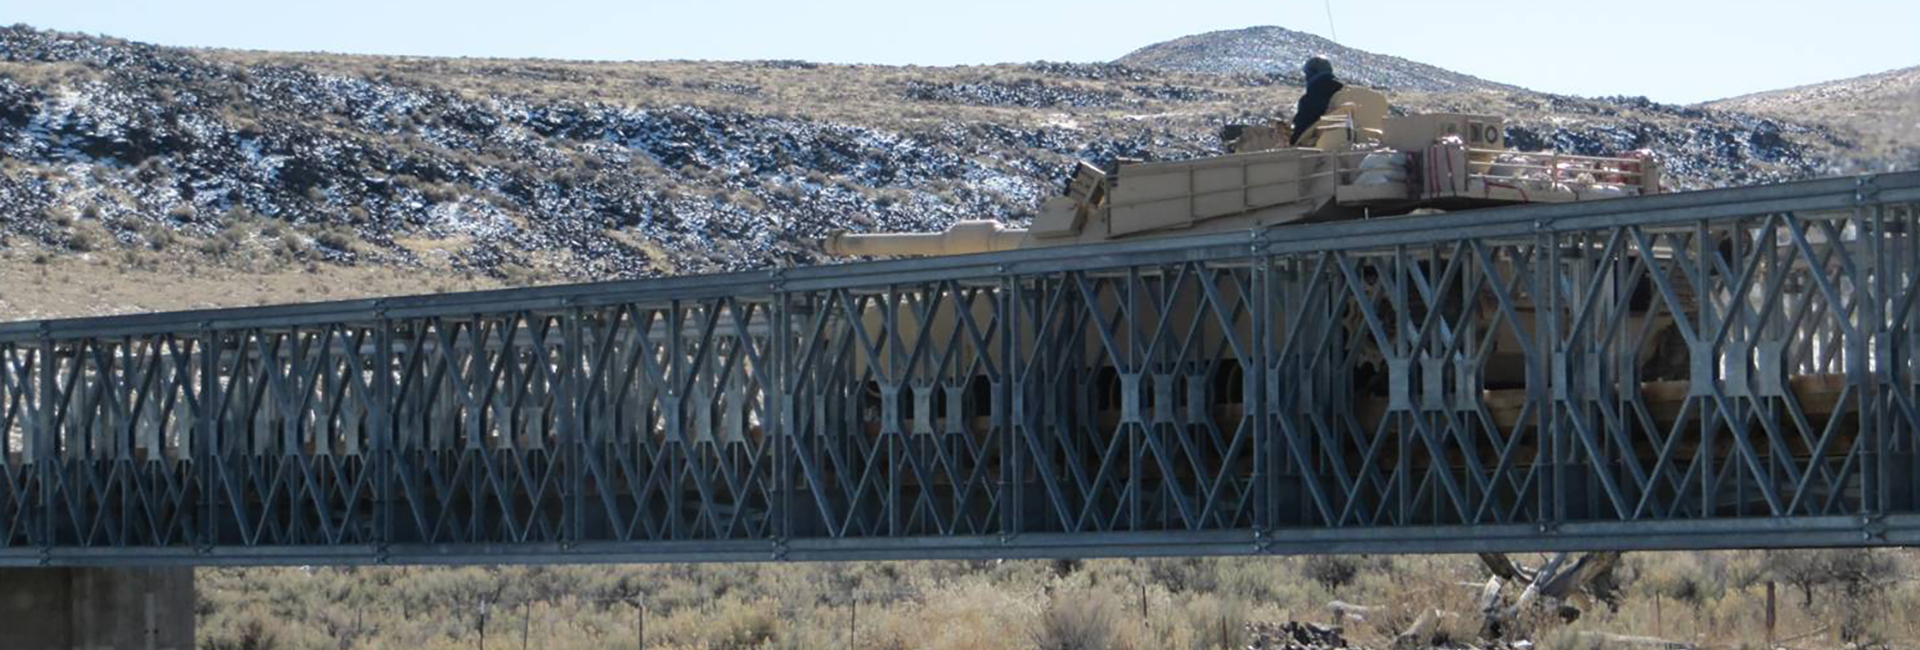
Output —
(1172, 604)
(35, 285)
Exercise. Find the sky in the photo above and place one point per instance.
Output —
(1677, 51)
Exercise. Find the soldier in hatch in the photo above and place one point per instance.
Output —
(1320, 89)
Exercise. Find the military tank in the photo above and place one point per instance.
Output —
(1357, 162)
(1427, 360)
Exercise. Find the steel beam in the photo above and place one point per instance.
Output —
(1732, 368)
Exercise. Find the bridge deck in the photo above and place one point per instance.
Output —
(1732, 368)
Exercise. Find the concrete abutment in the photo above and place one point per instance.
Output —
(97, 609)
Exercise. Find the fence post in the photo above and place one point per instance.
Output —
(640, 623)
(1770, 613)
(482, 624)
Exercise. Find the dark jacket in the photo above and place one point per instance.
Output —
(1313, 104)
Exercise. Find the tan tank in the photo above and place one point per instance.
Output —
(1361, 162)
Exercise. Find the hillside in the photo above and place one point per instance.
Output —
(179, 163)
(1880, 111)
(137, 178)
(1279, 51)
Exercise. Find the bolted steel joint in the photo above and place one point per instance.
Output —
(1865, 191)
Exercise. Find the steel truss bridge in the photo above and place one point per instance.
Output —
(1729, 368)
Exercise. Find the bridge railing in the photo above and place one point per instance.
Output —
(1676, 371)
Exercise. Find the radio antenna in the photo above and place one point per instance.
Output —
(1330, 28)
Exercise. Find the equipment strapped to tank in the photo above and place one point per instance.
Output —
(1361, 162)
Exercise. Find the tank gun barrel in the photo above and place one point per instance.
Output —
(974, 236)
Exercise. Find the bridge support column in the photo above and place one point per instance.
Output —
(96, 609)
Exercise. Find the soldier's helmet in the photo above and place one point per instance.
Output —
(1316, 65)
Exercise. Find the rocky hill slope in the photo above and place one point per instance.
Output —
(1880, 111)
(540, 170)
(1279, 51)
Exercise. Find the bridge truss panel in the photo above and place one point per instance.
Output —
(1716, 369)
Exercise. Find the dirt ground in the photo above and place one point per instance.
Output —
(35, 286)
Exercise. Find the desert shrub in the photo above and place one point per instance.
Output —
(248, 629)
(1331, 571)
(83, 241)
(292, 247)
(235, 215)
(1856, 580)
(806, 638)
(59, 217)
(1187, 574)
(1267, 581)
(160, 238)
(1216, 623)
(228, 241)
(1862, 573)
(1077, 621)
(1065, 566)
(1451, 611)
(968, 613)
(739, 625)
(1854, 573)
(1677, 578)
(335, 238)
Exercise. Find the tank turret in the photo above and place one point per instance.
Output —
(1361, 162)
